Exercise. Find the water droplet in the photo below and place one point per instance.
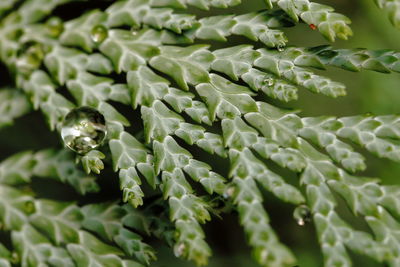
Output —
(29, 207)
(281, 47)
(269, 81)
(302, 215)
(55, 26)
(83, 129)
(179, 249)
(229, 192)
(99, 33)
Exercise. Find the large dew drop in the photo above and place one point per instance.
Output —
(99, 33)
(302, 215)
(83, 129)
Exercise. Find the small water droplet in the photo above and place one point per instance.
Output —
(55, 26)
(229, 192)
(83, 129)
(302, 215)
(269, 81)
(99, 33)
(29, 207)
(281, 47)
(179, 249)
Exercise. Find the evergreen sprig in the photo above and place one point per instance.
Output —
(189, 94)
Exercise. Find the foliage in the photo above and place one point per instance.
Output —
(190, 95)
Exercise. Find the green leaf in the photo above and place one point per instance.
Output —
(13, 104)
(225, 99)
(184, 64)
(393, 8)
(77, 32)
(126, 50)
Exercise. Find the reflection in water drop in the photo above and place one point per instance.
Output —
(229, 192)
(99, 33)
(281, 47)
(55, 26)
(302, 215)
(83, 129)
(269, 81)
(29, 207)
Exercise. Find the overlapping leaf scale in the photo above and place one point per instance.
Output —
(391, 7)
(339, 249)
(235, 101)
(172, 161)
(255, 26)
(13, 104)
(92, 252)
(146, 87)
(142, 42)
(43, 96)
(186, 209)
(357, 59)
(288, 126)
(201, 251)
(328, 22)
(315, 130)
(32, 247)
(279, 69)
(333, 232)
(276, 63)
(77, 32)
(129, 155)
(59, 165)
(245, 170)
(377, 134)
(170, 123)
(186, 65)
(39, 229)
(202, 4)
(384, 61)
(237, 62)
(367, 199)
(108, 222)
(135, 13)
(259, 26)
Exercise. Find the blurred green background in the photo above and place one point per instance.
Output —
(367, 92)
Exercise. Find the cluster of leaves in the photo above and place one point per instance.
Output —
(188, 93)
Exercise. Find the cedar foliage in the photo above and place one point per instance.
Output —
(153, 55)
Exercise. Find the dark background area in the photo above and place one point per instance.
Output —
(367, 92)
